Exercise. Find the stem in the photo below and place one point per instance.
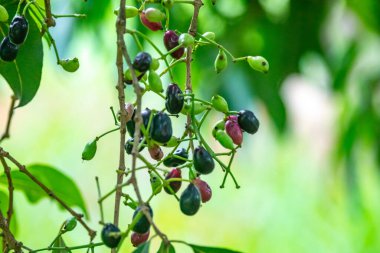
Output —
(104, 134)
(99, 202)
(90, 245)
(6, 133)
(7, 171)
(49, 19)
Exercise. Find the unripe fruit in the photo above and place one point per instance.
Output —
(203, 162)
(154, 81)
(234, 131)
(128, 76)
(248, 121)
(174, 141)
(175, 186)
(209, 35)
(8, 50)
(18, 29)
(258, 63)
(137, 239)
(171, 161)
(186, 40)
(142, 225)
(130, 11)
(155, 64)
(155, 183)
(170, 42)
(89, 151)
(218, 126)
(154, 15)
(204, 189)
(70, 224)
(199, 107)
(154, 26)
(174, 99)
(70, 65)
(3, 14)
(220, 61)
(156, 152)
(142, 62)
(225, 140)
(190, 200)
(219, 103)
(161, 130)
(110, 235)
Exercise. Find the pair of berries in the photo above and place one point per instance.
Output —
(18, 31)
(196, 192)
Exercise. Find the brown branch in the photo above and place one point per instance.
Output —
(9, 120)
(10, 243)
(49, 192)
(49, 20)
(7, 171)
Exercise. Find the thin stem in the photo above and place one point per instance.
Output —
(7, 171)
(49, 18)
(90, 245)
(100, 202)
(104, 134)
(6, 133)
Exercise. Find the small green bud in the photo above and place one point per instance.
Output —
(3, 14)
(220, 61)
(219, 126)
(258, 63)
(199, 107)
(186, 40)
(155, 64)
(89, 151)
(219, 103)
(155, 183)
(154, 15)
(155, 82)
(130, 11)
(174, 141)
(70, 65)
(224, 139)
(209, 35)
(70, 224)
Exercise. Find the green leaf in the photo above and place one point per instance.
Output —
(61, 185)
(60, 243)
(143, 248)
(202, 249)
(24, 74)
(169, 249)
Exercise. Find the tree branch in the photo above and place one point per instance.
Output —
(49, 17)
(10, 243)
(9, 120)
(7, 172)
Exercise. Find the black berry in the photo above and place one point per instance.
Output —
(174, 99)
(142, 225)
(18, 29)
(142, 62)
(161, 130)
(203, 162)
(190, 200)
(248, 121)
(111, 235)
(171, 161)
(8, 50)
(171, 41)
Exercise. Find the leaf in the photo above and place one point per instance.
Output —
(24, 74)
(202, 249)
(169, 249)
(143, 248)
(60, 243)
(61, 185)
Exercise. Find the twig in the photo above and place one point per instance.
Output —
(49, 17)
(23, 169)
(7, 172)
(9, 120)
(10, 242)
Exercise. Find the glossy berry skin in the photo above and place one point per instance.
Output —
(234, 131)
(154, 26)
(156, 152)
(129, 145)
(203, 162)
(248, 121)
(108, 239)
(137, 239)
(204, 189)
(161, 130)
(190, 200)
(174, 99)
(142, 226)
(18, 29)
(170, 42)
(174, 161)
(142, 62)
(8, 50)
(145, 114)
(175, 186)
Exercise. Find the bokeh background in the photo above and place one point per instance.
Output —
(309, 178)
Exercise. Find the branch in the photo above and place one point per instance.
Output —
(9, 120)
(10, 243)
(7, 172)
(23, 169)
(49, 20)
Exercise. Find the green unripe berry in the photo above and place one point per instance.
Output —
(130, 11)
(220, 125)
(155, 64)
(199, 107)
(3, 14)
(220, 61)
(209, 35)
(155, 82)
(70, 65)
(224, 139)
(174, 141)
(258, 63)
(219, 103)
(186, 40)
(89, 151)
(155, 183)
(70, 224)
(154, 15)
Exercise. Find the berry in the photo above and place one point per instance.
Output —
(224, 139)
(218, 126)
(186, 40)
(89, 151)
(155, 183)
(128, 76)
(234, 131)
(220, 61)
(199, 107)
(129, 145)
(154, 26)
(154, 15)
(8, 50)
(70, 65)
(174, 99)
(155, 83)
(142, 62)
(190, 200)
(204, 189)
(258, 63)
(176, 185)
(145, 114)
(137, 239)
(171, 161)
(142, 225)
(170, 42)
(111, 235)
(161, 130)
(70, 224)
(209, 35)
(248, 121)
(156, 152)
(155, 64)
(18, 29)
(203, 162)
(219, 103)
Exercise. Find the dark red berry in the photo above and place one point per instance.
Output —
(8, 50)
(174, 99)
(190, 200)
(154, 26)
(137, 239)
(204, 189)
(234, 131)
(18, 29)
(156, 152)
(142, 62)
(142, 225)
(203, 162)
(248, 121)
(175, 186)
(111, 235)
(171, 161)
(171, 41)
(161, 130)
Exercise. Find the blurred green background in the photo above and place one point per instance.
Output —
(309, 177)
